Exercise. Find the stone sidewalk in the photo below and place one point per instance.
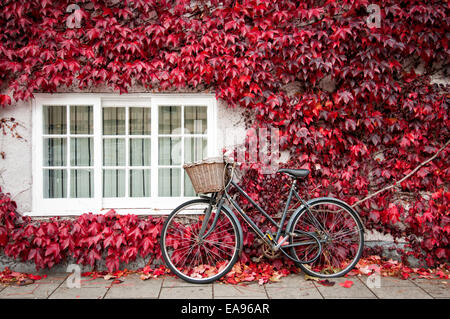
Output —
(55, 286)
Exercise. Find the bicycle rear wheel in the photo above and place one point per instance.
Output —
(340, 232)
(191, 257)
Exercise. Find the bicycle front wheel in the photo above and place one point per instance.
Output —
(340, 232)
(192, 257)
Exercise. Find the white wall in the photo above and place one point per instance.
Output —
(15, 168)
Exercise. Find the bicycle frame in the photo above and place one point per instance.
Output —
(274, 244)
(303, 236)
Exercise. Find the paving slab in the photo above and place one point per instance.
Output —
(197, 292)
(89, 289)
(293, 286)
(173, 282)
(293, 293)
(79, 293)
(239, 291)
(385, 281)
(291, 281)
(243, 297)
(133, 287)
(41, 289)
(358, 289)
(400, 293)
(437, 288)
(89, 282)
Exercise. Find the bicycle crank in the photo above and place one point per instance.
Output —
(269, 252)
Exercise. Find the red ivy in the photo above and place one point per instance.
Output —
(379, 117)
(88, 238)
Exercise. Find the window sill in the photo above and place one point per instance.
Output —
(120, 211)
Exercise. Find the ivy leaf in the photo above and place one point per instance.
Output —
(346, 284)
(345, 97)
(326, 283)
(4, 100)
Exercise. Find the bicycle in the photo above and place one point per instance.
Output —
(202, 239)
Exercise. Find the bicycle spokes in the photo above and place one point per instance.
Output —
(198, 257)
(339, 233)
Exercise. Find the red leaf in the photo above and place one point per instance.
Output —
(326, 283)
(53, 249)
(154, 231)
(112, 263)
(346, 284)
(4, 100)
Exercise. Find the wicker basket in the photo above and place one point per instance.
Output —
(207, 176)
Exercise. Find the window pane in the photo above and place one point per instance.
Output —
(113, 183)
(188, 188)
(113, 121)
(114, 152)
(140, 183)
(55, 181)
(140, 152)
(81, 151)
(55, 119)
(169, 119)
(195, 149)
(195, 119)
(169, 151)
(140, 120)
(54, 151)
(81, 121)
(169, 182)
(81, 183)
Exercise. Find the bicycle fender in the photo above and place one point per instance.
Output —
(315, 200)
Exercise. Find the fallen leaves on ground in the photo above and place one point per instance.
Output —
(240, 273)
(144, 273)
(8, 277)
(393, 268)
(259, 272)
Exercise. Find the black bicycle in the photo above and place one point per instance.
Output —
(202, 239)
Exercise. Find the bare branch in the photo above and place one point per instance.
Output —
(404, 178)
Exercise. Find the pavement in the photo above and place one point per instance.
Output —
(56, 286)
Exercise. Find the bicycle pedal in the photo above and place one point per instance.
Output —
(269, 235)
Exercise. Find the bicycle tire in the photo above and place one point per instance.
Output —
(358, 229)
(165, 251)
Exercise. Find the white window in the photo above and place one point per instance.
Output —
(93, 152)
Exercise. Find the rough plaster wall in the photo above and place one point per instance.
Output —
(15, 168)
(231, 130)
(230, 126)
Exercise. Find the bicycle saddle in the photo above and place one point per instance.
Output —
(295, 173)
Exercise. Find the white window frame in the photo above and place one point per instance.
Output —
(97, 204)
